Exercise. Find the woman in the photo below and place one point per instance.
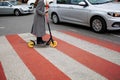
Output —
(38, 28)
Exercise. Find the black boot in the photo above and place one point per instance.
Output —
(40, 40)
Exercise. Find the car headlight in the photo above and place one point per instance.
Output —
(114, 14)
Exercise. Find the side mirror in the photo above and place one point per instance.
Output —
(10, 5)
(50, 2)
(82, 4)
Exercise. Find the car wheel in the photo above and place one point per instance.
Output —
(98, 24)
(55, 18)
(17, 13)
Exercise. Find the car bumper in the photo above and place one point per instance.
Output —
(113, 24)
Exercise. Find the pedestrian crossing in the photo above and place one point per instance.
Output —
(76, 57)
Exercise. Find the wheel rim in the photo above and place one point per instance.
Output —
(17, 13)
(97, 25)
(55, 18)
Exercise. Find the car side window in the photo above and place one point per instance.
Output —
(76, 1)
(5, 4)
(62, 1)
(0, 3)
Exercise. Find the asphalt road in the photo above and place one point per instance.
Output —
(10, 24)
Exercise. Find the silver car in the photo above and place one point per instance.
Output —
(100, 15)
(15, 7)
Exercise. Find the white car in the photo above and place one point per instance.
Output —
(14, 7)
(100, 15)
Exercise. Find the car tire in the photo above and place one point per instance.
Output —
(98, 24)
(17, 13)
(55, 18)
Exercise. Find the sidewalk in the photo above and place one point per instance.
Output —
(76, 57)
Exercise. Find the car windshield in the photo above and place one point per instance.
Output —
(94, 2)
(15, 2)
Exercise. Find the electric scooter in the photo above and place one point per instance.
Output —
(50, 42)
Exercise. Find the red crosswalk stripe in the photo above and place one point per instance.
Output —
(2, 75)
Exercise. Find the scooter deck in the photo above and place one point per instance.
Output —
(32, 43)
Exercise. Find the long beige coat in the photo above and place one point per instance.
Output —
(38, 28)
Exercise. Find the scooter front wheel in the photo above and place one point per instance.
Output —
(53, 44)
(31, 44)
